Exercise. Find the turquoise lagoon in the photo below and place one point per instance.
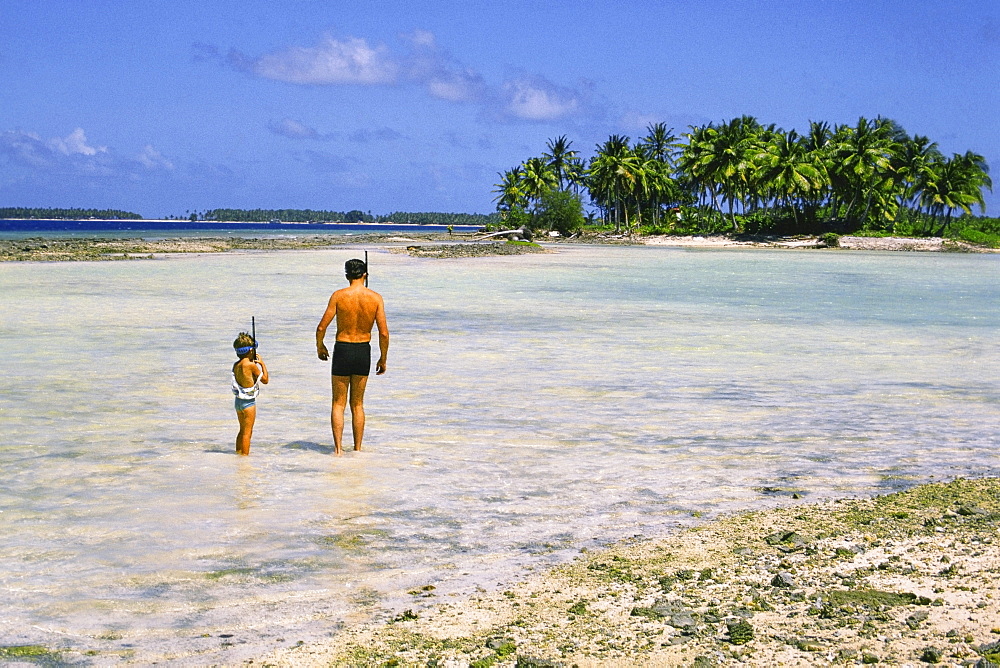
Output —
(534, 406)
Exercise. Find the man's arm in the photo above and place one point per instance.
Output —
(383, 337)
(324, 322)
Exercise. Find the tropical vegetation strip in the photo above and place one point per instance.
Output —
(907, 578)
(743, 177)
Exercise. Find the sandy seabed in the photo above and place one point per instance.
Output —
(911, 578)
(906, 579)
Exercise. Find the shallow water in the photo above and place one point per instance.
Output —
(534, 405)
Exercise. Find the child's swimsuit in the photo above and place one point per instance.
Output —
(245, 396)
(351, 359)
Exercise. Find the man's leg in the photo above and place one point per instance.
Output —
(340, 388)
(358, 384)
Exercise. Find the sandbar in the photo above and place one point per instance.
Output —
(903, 579)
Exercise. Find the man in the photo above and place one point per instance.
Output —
(356, 309)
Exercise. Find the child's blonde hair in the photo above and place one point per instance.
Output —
(244, 340)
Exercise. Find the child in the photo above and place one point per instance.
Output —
(247, 378)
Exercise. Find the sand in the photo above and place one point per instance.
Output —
(911, 578)
(430, 245)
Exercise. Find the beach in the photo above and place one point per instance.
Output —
(526, 451)
(905, 579)
(62, 249)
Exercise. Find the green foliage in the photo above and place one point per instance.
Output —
(354, 216)
(831, 239)
(36, 213)
(744, 176)
(977, 230)
(516, 217)
(559, 210)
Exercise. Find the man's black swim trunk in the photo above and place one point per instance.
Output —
(351, 359)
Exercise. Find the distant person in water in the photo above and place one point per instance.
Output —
(248, 374)
(356, 309)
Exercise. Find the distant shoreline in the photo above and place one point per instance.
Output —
(90, 249)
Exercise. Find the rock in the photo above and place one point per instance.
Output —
(786, 541)
(931, 655)
(914, 620)
(784, 580)
(497, 644)
(869, 658)
(990, 648)
(966, 511)
(524, 661)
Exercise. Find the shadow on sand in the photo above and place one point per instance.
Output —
(321, 448)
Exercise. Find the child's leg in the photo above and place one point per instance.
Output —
(246, 418)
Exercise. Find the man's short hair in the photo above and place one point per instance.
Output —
(355, 269)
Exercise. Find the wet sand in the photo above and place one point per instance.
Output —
(904, 579)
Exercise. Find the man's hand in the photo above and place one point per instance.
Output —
(380, 367)
(322, 352)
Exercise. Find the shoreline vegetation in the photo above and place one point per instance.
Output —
(744, 177)
(909, 578)
(439, 245)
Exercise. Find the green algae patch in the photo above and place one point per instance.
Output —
(351, 540)
(528, 244)
(871, 598)
(31, 654)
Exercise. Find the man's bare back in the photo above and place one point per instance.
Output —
(356, 310)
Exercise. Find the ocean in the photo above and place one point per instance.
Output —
(534, 406)
(156, 229)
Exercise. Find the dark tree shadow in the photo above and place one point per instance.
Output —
(321, 448)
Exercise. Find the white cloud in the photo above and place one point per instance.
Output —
(537, 99)
(153, 159)
(293, 129)
(30, 149)
(75, 143)
(437, 71)
(349, 61)
(378, 134)
(422, 62)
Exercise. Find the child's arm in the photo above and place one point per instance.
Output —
(263, 370)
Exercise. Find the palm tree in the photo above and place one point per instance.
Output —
(955, 183)
(787, 168)
(560, 158)
(510, 190)
(537, 178)
(912, 168)
(615, 175)
(862, 163)
(720, 159)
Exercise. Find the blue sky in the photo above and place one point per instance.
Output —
(165, 107)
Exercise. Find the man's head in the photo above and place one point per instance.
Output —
(355, 269)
